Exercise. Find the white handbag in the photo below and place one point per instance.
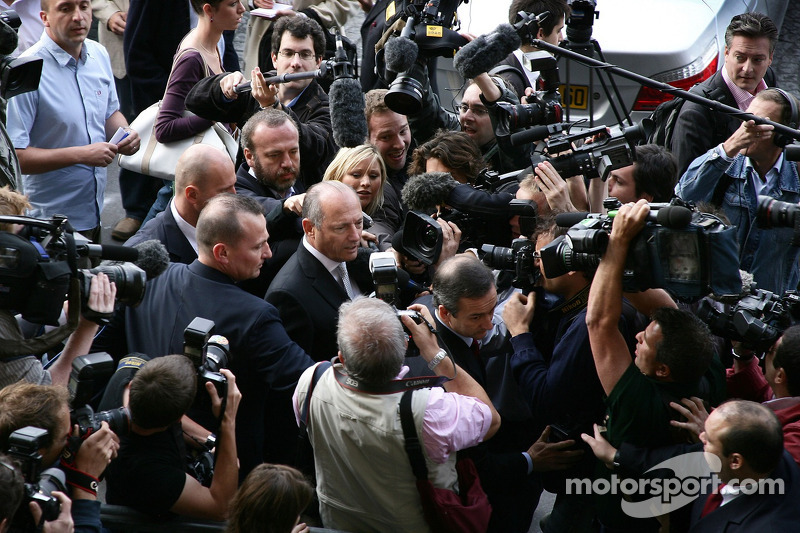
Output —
(159, 159)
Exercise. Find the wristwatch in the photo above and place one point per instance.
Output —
(440, 355)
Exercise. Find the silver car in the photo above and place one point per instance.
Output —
(680, 42)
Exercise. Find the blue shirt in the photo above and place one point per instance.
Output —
(765, 252)
(70, 108)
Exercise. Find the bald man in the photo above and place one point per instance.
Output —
(202, 172)
(324, 271)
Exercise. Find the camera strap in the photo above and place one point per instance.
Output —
(397, 385)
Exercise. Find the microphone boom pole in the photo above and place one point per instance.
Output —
(664, 87)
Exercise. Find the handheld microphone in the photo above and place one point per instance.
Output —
(485, 51)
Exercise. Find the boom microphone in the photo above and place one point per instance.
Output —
(485, 51)
(348, 122)
(153, 257)
(426, 191)
(671, 216)
(400, 54)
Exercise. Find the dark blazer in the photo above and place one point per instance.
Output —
(285, 229)
(308, 299)
(311, 113)
(698, 129)
(501, 466)
(153, 31)
(265, 361)
(757, 512)
(164, 229)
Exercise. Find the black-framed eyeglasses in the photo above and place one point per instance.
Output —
(478, 111)
(306, 55)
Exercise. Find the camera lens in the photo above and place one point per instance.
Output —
(119, 420)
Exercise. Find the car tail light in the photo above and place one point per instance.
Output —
(682, 78)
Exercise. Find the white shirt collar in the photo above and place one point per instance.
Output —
(189, 231)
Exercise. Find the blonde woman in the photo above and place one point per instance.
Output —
(363, 169)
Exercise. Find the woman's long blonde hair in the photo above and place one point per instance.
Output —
(347, 158)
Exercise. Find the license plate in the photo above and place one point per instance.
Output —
(578, 97)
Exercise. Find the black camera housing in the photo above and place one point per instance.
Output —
(23, 446)
(517, 259)
(209, 354)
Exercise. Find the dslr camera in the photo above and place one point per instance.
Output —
(517, 259)
(23, 447)
(209, 353)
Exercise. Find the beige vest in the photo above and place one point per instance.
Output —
(364, 478)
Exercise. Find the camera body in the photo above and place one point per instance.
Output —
(209, 354)
(757, 320)
(517, 259)
(23, 446)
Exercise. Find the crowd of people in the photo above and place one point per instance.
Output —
(535, 381)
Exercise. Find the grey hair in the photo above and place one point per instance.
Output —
(371, 340)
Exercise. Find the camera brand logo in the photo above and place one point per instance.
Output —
(692, 474)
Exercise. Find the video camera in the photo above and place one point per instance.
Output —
(37, 264)
(422, 235)
(209, 354)
(429, 24)
(23, 446)
(686, 252)
(592, 160)
(544, 105)
(757, 320)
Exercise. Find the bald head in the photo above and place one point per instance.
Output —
(332, 220)
(202, 173)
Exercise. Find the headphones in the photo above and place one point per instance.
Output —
(780, 139)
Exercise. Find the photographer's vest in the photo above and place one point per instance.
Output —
(364, 478)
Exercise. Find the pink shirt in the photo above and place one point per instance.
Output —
(451, 422)
(742, 97)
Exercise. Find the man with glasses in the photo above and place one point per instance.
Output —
(298, 44)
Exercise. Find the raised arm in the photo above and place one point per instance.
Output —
(611, 356)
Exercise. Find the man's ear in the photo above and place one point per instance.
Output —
(308, 228)
(191, 192)
(736, 461)
(780, 376)
(248, 157)
(220, 252)
(662, 371)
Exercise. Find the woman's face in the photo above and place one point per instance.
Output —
(365, 179)
(228, 14)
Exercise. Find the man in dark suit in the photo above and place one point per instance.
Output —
(323, 273)
(749, 42)
(465, 297)
(202, 172)
(746, 440)
(271, 145)
(232, 246)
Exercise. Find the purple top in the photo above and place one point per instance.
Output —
(171, 124)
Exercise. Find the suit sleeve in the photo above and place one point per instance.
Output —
(206, 100)
(298, 325)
